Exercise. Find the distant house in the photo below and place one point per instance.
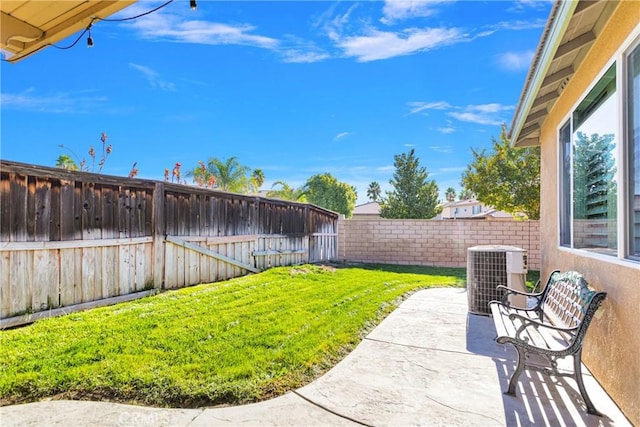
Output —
(369, 210)
(471, 209)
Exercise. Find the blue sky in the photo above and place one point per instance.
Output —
(294, 88)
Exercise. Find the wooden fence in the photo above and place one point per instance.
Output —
(69, 238)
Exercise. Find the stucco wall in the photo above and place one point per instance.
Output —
(612, 345)
(431, 242)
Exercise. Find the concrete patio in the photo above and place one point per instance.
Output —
(429, 363)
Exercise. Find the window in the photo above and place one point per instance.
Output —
(594, 168)
(476, 209)
(596, 163)
(633, 152)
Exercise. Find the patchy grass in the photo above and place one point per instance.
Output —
(236, 341)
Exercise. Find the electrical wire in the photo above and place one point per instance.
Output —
(134, 17)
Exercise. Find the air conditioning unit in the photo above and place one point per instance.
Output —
(490, 266)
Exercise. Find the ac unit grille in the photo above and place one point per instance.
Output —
(485, 271)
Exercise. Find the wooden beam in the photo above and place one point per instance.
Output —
(527, 142)
(577, 43)
(584, 5)
(279, 252)
(76, 244)
(529, 129)
(11, 322)
(545, 98)
(207, 252)
(158, 228)
(535, 116)
(557, 76)
(16, 32)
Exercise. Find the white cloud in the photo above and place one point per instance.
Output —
(385, 168)
(479, 118)
(179, 29)
(518, 25)
(341, 135)
(376, 45)
(56, 103)
(417, 106)
(297, 56)
(153, 77)
(441, 148)
(395, 10)
(446, 129)
(173, 27)
(484, 114)
(515, 61)
(490, 108)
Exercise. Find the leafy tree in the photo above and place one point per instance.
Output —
(286, 192)
(374, 191)
(413, 196)
(64, 161)
(450, 194)
(326, 191)
(507, 179)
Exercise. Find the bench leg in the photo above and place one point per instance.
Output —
(514, 378)
(577, 369)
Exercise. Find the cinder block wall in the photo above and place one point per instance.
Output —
(442, 243)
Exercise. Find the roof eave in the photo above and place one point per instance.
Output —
(559, 19)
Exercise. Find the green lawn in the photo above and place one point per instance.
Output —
(237, 341)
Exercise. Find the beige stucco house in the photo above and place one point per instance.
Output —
(581, 105)
(471, 209)
(370, 210)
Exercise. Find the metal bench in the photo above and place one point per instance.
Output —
(554, 327)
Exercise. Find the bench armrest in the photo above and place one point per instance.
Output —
(515, 291)
(508, 291)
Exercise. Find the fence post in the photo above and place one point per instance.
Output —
(158, 233)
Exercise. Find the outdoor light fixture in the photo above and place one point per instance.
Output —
(89, 38)
(194, 4)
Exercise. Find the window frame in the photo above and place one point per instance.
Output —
(624, 160)
(627, 156)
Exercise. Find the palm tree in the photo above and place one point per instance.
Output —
(227, 175)
(286, 192)
(450, 194)
(65, 161)
(374, 191)
(465, 194)
(257, 179)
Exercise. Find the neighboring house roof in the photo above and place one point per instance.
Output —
(459, 203)
(28, 26)
(371, 208)
(571, 29)
(492, 213)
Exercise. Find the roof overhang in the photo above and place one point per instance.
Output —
(571, 29)
(28, 26)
